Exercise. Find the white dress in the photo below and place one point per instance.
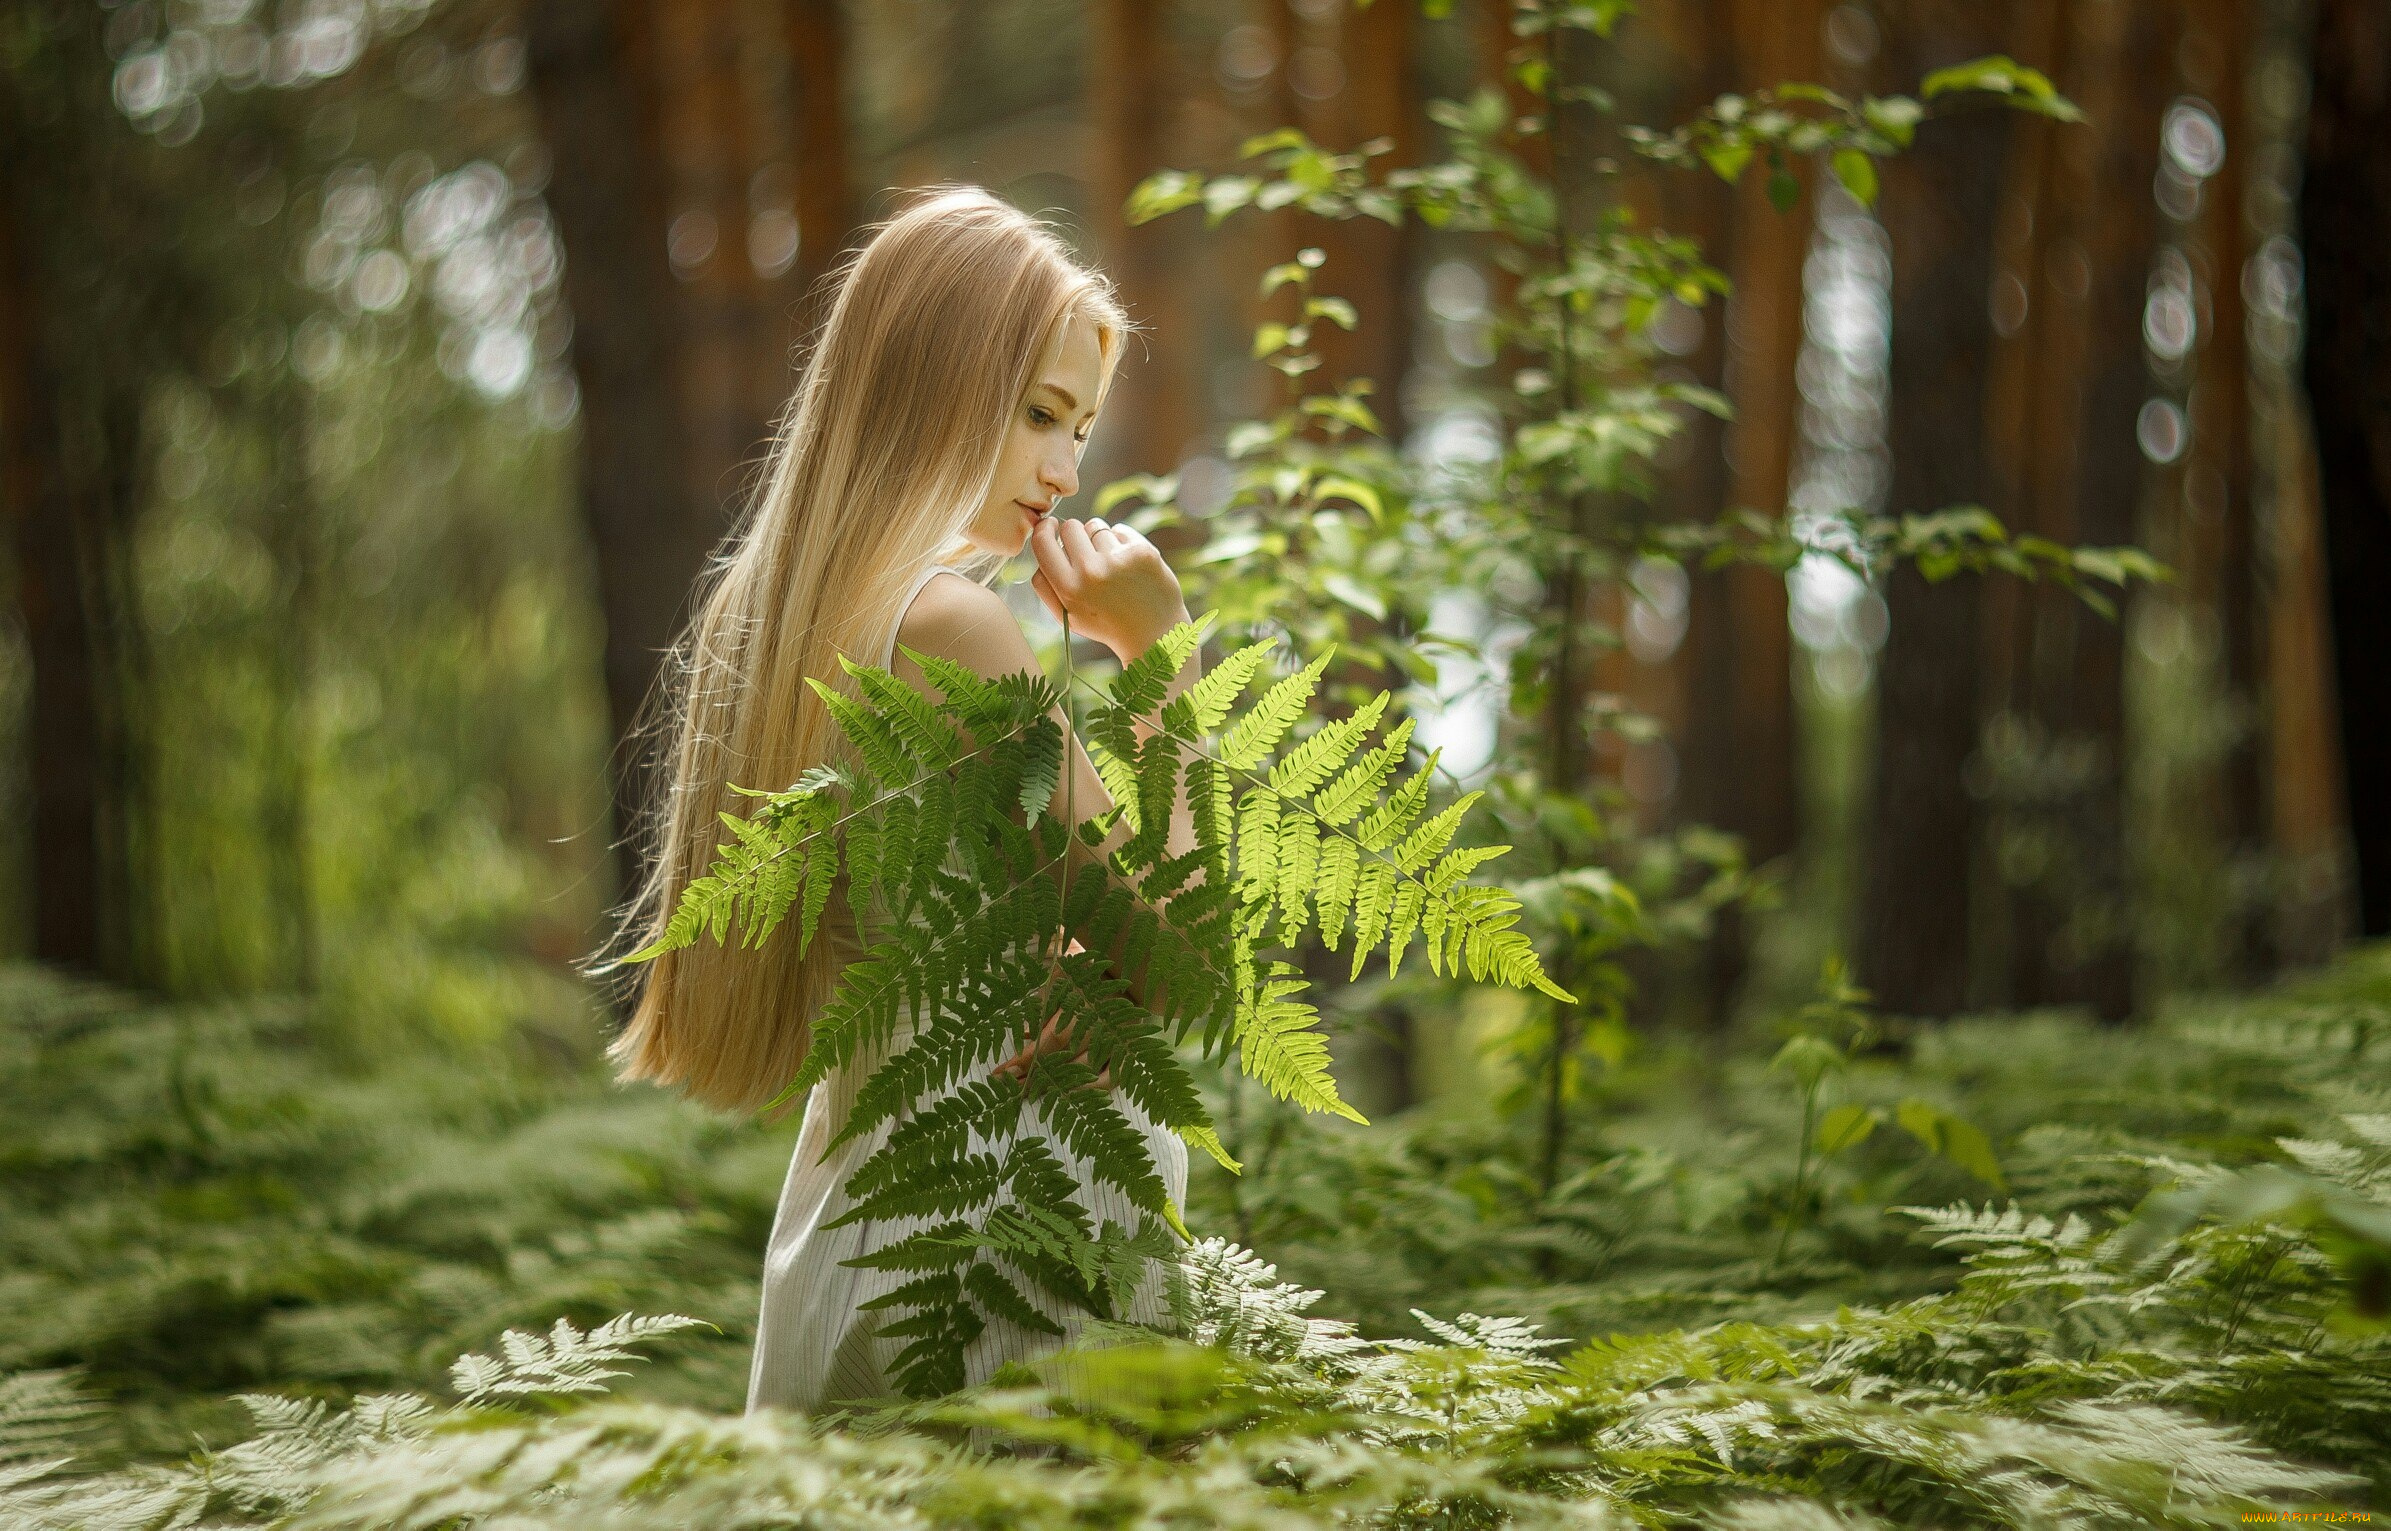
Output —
(814, 1344)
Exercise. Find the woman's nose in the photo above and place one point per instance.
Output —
(1060, 475)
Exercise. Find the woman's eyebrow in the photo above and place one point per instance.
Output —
(1070, 401)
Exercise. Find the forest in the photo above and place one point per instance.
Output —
(1791, 860)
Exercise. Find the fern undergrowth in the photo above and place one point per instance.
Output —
(2173, 1317)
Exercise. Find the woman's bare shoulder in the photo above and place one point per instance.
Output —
(968, 623)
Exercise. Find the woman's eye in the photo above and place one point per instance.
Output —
(1041, 417)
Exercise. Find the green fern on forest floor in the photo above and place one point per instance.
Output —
(1975, 1410)
(217, 1195)
(959, 875)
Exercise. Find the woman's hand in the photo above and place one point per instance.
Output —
(1051, 1039)
(1108, 582)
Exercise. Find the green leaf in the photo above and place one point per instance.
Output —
(1336, 486)
(1208, 701)
(1227, 194)
(1960, 1141)
(1280, 275)
(1808, 1059)
(1349, 410)
(1163, 192)
(1727, 159)
(2000, 75)
(1278, 1048)
(1354, 594)
(1150, 488)
(1896, 117)
(1857, 172)
(1209, 1141)
(1336, 310)
(1271, 142)
(1846, 1126)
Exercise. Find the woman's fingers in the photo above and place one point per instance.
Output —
(1075, 540)
(1053, 602)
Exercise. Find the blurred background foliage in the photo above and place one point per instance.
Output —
(375, 376)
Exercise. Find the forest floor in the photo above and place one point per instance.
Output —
(199, 1201)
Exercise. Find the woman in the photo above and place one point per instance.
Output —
(937, 424)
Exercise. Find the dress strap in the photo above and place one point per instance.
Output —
(888, 650)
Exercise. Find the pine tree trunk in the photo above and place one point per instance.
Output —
(2226, 36)
(2345, 210)
(63, 719)
(1369, 263)
(1939, 206)
(1738, 771)
(2070, 927)
(76, 360)
(1129, 101)
(817, 46)
(649, 535)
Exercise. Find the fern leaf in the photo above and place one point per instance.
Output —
(1258, 845)
(1278, 1046)
(1402, 921)
(1203, 1137)
(1393, 818)
(1042, 768)
(1361, 782)
(1307, 765)
(1298, 856)
(911, 715)
(1201, 707)
(1265, 723)
(884, 754)
(1428, 841)
(1119, 775)
(1373, 903)
(989, 1287)
(1142, 682)
(565, 1361)
(1338, 881)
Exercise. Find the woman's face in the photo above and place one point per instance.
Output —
(1040, 464)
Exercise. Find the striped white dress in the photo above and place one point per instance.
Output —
(814, 1344)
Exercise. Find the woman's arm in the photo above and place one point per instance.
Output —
(970, 625)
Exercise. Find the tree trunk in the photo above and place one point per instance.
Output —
(730, 373)
(78, 347)
(2225, 39)
(296, 543)
(649, 535)
(2071, 930)
(1738, 771)
(1940, 208)
(63, 719)
(2345, 210)
(817, 44)
(1129, 102)
(1365, 55)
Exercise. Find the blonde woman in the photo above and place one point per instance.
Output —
(935, 430)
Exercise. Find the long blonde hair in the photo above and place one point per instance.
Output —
(889, 446)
